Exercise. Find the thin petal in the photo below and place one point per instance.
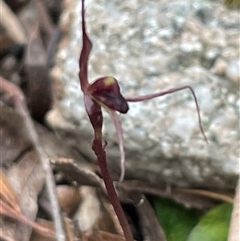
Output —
(119, 131)
(170, 91)
(86, 49)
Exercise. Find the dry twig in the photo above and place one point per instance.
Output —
(11, 24)
(19, 103)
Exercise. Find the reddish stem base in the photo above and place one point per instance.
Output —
(101, 155)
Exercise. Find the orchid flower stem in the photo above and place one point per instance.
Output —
(101, 155)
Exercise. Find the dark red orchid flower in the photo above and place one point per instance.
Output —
(105, 92)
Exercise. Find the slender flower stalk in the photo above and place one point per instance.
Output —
(104, 92)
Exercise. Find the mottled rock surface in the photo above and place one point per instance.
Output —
(151, 46)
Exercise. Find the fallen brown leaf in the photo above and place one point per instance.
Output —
(11, 213)
(19, 104)
(9, 207)
(102, 236)
(50, 225)
(69, 198)
(7, 194)
(36, 76)
(11, 24)
(150, 226)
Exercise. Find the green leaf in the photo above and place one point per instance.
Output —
(214, 225)
(176, 221)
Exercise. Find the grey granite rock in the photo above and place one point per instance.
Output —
(151, 46)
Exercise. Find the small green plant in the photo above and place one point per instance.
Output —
(105, 92)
